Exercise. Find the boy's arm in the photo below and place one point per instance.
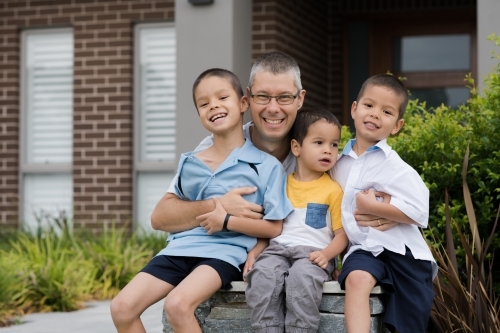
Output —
(214, 222)
(261, 245)
(336, 246)
(367, 203)
(173, 214)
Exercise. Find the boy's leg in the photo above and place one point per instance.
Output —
(304, 289)
(264, 294)
(358, 285)
(140, 293)
(181, 303)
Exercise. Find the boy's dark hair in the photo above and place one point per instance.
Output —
(222, 73)
(392, 83)
(308, 116)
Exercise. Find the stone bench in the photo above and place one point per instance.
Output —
(227, 311)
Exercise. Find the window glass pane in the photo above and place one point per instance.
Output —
(151, 187)
(46, 197)
(157, 93)
(432, 53)
(451, 97)
(49, 96)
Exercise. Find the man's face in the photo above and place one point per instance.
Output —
(273, 121)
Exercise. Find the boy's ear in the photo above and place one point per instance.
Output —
(244, 104)
(294, 145)
(353, 108)
(398, 126)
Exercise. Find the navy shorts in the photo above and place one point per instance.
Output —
(407, 283)
(173, 269)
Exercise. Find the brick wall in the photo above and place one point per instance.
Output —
(298, 28)
(103, 68)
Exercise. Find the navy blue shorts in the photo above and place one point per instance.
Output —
(407, 283)
(173, 269)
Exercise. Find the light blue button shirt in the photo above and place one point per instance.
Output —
(199, 182)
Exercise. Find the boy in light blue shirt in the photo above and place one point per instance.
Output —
(198, 262)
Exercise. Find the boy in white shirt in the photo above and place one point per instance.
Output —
(398, 259)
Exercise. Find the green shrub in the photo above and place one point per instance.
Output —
(10, 288)
(54, 275)
(118, 258)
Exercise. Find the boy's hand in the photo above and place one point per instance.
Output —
(248, 265)
(235, 205)
(318, 258)
(213, 221)
(365, 200)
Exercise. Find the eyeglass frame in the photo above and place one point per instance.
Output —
(275, 97)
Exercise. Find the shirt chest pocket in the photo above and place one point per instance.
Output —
(316, 215)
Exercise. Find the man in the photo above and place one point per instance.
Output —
(275, 94)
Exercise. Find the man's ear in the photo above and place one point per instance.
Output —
(398, 126)
(353, 109)
(244, 104)
(295, 148)
(301, 97)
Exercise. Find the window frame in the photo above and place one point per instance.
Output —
(26, 168)
(138, 165)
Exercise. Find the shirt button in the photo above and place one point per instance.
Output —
(190, 158)
(213, 176)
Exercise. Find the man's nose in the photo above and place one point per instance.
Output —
(273, 105)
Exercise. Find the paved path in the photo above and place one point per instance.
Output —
(95, 318)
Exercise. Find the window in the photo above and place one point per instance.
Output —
(154, 125)
(433, 57)
(46, 134)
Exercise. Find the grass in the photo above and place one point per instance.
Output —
(55, 270)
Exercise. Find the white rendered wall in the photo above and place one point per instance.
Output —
(488, 22)
(216, 35)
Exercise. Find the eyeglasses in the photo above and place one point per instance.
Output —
(281, 99)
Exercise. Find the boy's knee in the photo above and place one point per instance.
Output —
(121, 310)
(360, 280)
(176, 307)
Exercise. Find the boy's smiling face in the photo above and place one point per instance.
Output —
(218, 104)
(376, 114)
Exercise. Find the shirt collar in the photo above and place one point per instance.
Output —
(249, 153)
(381, 145)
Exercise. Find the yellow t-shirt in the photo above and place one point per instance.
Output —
(316, 212)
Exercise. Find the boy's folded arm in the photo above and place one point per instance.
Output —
(367, 204)
(256, 228)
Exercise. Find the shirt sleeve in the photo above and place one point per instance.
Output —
(335, 207)
(410, 195)
(276, 203)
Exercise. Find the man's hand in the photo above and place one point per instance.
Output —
(213, 221)
(318, 258)
(379, 223)
(235, 204)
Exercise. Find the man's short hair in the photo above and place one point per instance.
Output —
(222, 73)
(276, 63)
(390, 82)
(308, 116)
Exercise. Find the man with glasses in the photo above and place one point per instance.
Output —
(275, 93)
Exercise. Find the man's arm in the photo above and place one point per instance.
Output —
(173, 214)
(214, 220)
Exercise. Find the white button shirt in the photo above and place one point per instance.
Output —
(382, 169)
